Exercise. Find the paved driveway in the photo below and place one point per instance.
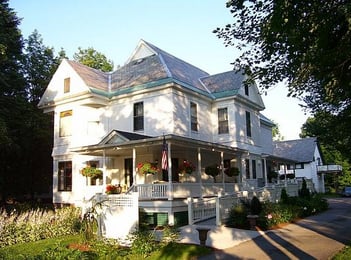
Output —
(315, 237)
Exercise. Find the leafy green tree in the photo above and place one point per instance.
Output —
(334, 150)
(305, 43)
(12, 92)
(94, 59)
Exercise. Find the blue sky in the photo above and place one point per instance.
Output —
(182, 28)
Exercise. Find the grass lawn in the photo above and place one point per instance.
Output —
(32, 249)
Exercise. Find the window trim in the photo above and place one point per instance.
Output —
(248, 124)
(66, 178)
(138, 117)
(63, 123)
(223, 125)
(194, 126)
(67, 85)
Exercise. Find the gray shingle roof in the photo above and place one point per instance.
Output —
(230, 80)
(300, 150)
(159, 66)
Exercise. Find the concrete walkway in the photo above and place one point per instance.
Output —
(315, 237)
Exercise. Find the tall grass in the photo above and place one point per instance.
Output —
(36, 224)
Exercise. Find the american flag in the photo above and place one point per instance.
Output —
(164, 155)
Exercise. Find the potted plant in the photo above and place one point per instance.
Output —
(212, 170)
(147, 168)
(186, 167)
(232, 171)
(113, 189)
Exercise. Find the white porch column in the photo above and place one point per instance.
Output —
(134, 167)
(104, 174)
(222, 171)
(265, 171)
(199, 170)
(170, 186)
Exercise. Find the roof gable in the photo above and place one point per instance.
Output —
(55, 89)
(301, 150)
(120, 137)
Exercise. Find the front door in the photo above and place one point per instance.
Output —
(128, 172)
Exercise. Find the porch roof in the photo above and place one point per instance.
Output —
(116, 141)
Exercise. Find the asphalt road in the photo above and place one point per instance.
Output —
(315, 237)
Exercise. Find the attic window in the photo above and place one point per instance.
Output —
(138, 61)
(67, 85)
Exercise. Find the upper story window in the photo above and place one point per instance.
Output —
(65, 123)
(248, 124)
(138, 116)
(223, 127)
(67, 85)
(65, 176)
(246, 89)
(193, 115)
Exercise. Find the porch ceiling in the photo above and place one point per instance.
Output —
(154, 144)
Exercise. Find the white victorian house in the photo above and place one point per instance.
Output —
(115, 121)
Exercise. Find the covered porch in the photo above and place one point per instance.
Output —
(121, 153)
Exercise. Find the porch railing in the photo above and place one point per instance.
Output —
(183, 190)
(201, 209)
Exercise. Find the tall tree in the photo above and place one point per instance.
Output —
(306, 43)
(12, 93)
(94, 59)
(333, 149)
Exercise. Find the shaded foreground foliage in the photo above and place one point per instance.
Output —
(272, 215)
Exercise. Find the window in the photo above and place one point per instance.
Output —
(193, 115)
(247, 168)
(67, 85)
(254, 173)
(299, 166)
(65, 176)
(248, 124)
(246, 89)
(65, 123)
(138, 116)
(223, 121)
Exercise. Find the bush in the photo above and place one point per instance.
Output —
(238, 216)
(304, 192)
(284, 197)
(36, 224)
(255, 206)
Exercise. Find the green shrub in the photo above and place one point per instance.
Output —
(284, 197)
(255, 206)
(238, 215)
(304, 192)
(144, 243)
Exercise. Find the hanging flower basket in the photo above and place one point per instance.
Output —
(187, 167)
(91, 172)
(212, 170)
(147, 168)
(232, 171)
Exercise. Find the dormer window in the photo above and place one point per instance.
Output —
(67, 85)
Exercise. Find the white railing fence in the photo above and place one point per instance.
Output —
(117, 214)
(201, 209)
